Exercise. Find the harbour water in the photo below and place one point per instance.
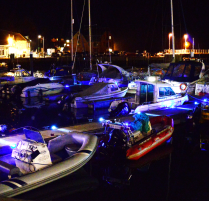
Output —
(175, 171)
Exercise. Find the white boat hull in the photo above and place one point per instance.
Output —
(79, 102)
(163, 104)
(47, 89)
(19, 185)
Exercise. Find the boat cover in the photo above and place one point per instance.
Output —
(92, 90)
(141, 123)
(121, 70)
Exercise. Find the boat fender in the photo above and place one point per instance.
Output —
(183, 86)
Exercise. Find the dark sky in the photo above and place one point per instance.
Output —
(135, 24)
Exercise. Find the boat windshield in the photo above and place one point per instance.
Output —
(19, 73)
(166, 91)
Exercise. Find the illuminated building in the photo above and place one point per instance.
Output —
(13, 43)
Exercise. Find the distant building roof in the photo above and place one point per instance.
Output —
(4, 35)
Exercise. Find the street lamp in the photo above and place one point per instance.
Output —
(185, 37)
(170, 35)
(39, 37)
(109, 49)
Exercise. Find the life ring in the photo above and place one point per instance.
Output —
(53, 71)
(183, 87)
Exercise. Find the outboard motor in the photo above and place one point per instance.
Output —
(113, 144)
(122, 109)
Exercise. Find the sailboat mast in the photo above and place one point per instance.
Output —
(172, 26)
(72, 22)
(90, 35)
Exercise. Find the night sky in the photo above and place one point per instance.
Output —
(134, 24)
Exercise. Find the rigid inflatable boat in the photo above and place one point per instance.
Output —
(120, 137)
(34, 163)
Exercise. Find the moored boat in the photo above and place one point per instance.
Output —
(134, 143)
(181, 74)
(34, 163)
(98, 91)
(151, 96)
(44, 89)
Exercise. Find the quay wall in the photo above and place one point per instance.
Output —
(44, 64)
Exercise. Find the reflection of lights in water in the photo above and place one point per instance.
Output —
(101, 119)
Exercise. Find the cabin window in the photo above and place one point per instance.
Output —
(197, 70)
(146, 93)
(114, 88)
(178, 70)
(166, 91)
(170, 70)
(187, 71)
(18, 74)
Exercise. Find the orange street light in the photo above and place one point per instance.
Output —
(170, 35)
(185, 37)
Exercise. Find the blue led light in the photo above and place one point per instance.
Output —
(126, 123)
(53, 127)
(196, 103)
(67, 86)
(101, 119)
(13, 146)
(205, 100)
(203, 149)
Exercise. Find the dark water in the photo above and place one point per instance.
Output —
(177, 171)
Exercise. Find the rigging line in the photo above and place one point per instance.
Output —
(154, 27)
(79, 34)
(78, 23)
(64, 19)
(146, 38)
(162, 27)
(183, 15)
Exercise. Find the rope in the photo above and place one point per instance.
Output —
(183, 16)
(78, 35)
(195, 98)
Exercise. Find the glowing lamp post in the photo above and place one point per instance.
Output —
(185, 38)
(110, 51)
(39, 37)
(170, 35)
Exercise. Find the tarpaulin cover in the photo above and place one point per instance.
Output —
(92, 90)
(141, 123)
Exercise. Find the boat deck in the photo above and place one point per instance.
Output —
(179, 114)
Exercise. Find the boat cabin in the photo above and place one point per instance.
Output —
(184, 71)
(99, 89)
(150, 92)
(17, 75)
